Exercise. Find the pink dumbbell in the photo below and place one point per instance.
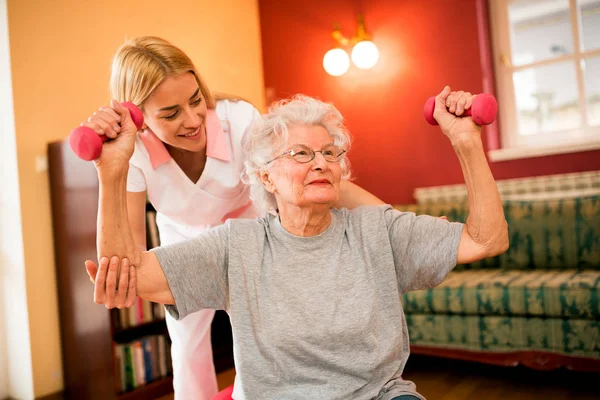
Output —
(87, 144)
(483, 110)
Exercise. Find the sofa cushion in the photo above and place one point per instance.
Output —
(548, 293)
(572, 337)
(560, 234)
(552, 234)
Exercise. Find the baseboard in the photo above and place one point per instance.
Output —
(539, 360)
(52, 396)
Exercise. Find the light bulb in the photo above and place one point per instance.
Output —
(336, 62)
(365, 54)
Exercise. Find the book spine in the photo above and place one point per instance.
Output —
(147, 348)
(129, 372)
(162, 357)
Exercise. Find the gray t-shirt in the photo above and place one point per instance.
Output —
(314, 317)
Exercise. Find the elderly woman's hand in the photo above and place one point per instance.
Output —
(115, 123)
(449, 107)
(114, 289)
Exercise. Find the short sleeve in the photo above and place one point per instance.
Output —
(136, 181)
(252, 117)
(424, 248)
(196, 271)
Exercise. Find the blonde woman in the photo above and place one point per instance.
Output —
(187, 161)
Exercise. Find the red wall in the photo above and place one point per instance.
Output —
(423, 45)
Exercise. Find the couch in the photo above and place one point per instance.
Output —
(537, 305)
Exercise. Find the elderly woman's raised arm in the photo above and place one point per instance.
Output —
(486, 231)
(193, 274)
(115, 238)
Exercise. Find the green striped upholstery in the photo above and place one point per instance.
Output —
(551, 234)
(572, 337)
(547, 293)
(542, 294)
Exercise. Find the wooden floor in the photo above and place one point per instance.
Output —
(442, 379)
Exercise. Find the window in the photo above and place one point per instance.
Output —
(547, 66)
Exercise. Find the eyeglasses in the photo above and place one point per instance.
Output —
(303, 154)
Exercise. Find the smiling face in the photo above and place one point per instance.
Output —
(304, 185)
(176, 113)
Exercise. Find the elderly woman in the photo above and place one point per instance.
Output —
(313, 292)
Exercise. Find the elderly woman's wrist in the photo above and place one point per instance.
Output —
(113, 174)
(466, 140)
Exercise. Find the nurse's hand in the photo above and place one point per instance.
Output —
(114, 287)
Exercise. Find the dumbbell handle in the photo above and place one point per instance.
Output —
(483, 110)
(87, 144)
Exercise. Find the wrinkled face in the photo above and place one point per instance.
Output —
(316, 182)
(176, 113)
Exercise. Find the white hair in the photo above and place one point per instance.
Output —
(268, 134)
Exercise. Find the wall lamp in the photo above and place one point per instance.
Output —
(364, 52)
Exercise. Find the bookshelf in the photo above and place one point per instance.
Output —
(96, 341)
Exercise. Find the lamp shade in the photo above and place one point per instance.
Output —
(336, 62)
(365, 54)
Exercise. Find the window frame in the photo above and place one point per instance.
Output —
(515, 146)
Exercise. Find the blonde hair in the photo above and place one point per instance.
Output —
(143, 63)
(269, 133)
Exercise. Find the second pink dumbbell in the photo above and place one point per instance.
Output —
(87, 144)
(483, 110)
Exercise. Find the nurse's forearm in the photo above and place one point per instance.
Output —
(352, 196)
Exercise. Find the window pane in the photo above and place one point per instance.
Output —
(590, 24)
(591, 75)
(547, 98)
(540, 30)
